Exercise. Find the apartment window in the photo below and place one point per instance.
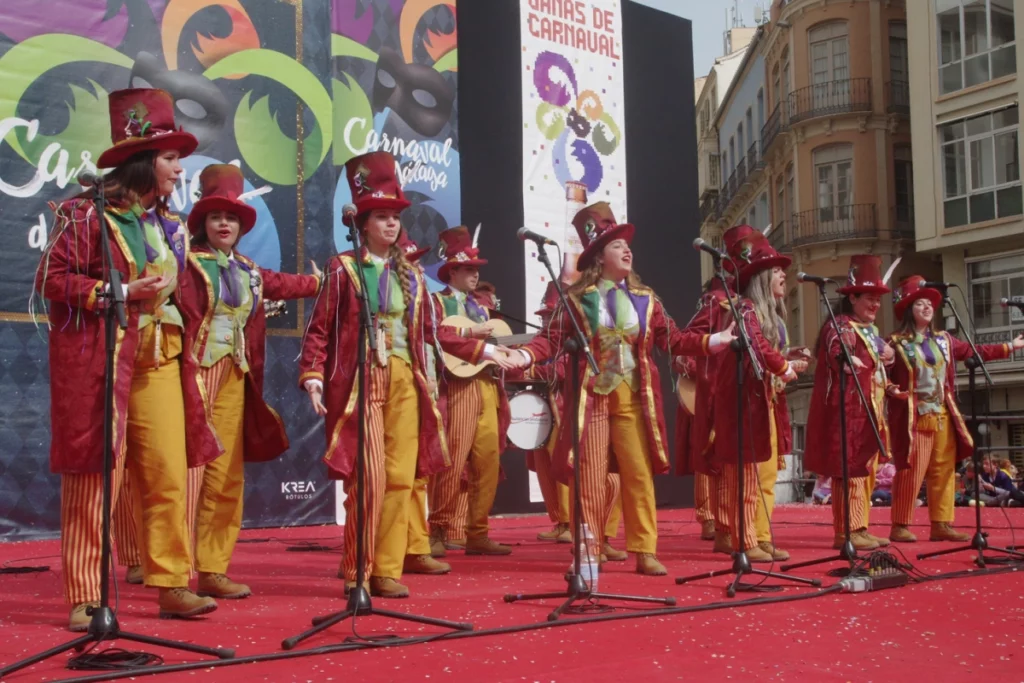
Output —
(750, 124)
(981, 168)
(899, 68)
(830, 69)
(776, 87)
(762, 211)
(976, 42)
(790, 190)
(780, 204)
(725, 167)
(989, 281)
(739, 138)
(903, 174)
(787, 84)
(793, 323)
(732, 154)
(752, 216)
(760, 109)
(833, 169)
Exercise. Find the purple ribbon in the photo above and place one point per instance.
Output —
(383, 288)
(231, 284)
(926, 349)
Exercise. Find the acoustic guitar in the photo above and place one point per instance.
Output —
(686, 391)
(502, 334)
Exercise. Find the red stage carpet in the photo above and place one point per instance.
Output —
(955, 630)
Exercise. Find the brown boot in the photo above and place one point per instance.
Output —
(860, 539)
(759, 554)
(455, 543)
(134, 575)
(610, 553)
(777, 554)
(383, 587)
(425, 564)
(707, 530)
(349, 585)
(181, 603)
(723, 543)
(437, 548)
(648, 565)
(944, 531)
(882, 542)
(560, 533)
(901, 534)
(212, 585)
(485, 546)
(78, 620)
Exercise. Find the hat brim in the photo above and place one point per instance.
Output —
(368, 204)
(197, 216)
(416, 255)
(863, 289)
(185, 143)
(933, 295)
(623, 231)
(751, 269)
(445, 270)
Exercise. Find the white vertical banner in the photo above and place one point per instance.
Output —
(573, 108)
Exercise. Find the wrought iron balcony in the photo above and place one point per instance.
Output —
(830, 98)
(776, 123)
(833, 223)
(755, 162)
(778, 237)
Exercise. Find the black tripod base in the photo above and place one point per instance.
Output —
(980, 544)
(741, 567)
(104, 627)
(577, 590)
(359, 605)
(846, 554)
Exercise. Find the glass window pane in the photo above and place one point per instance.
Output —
(951, 78)
(1007, 165)
(953, 169)
(949, 36)
(975, 27)
(982, 207)
(1003, 265)
(1010, 201)
(976, 70)
(982, 164)
(979, 124)
(1002, 22)
(1004, 61)
(951, 131)
(824, 186)
(1005, 117)
(955, 213)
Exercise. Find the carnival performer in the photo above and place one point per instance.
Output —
(227, 291)
(761, 278)
(620, 407)
(862, 297)
(405, 436)
(160, 424)
(929, 436)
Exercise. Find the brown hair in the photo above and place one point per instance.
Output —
(907, 324)
(202, 237)
(592, 273)
(130, 181)
(406, 271)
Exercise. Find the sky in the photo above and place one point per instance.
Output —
(709, 23)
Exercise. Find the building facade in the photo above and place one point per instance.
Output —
(966, 91)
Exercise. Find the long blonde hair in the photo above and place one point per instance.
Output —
(592, 273)
(770, 311)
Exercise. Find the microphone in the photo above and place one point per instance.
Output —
(1007, 303)
(700, 245)
(816, 279)
(526, 234)
(935, 285)
(348, 214)
(87, 179)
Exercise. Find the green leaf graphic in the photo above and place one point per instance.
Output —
(550, 120)
(270, 153)
(606, 135)
(448, 62)
(24, 63)
(285, 70)
(343, 46)
(350, 102)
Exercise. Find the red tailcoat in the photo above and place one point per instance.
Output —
(823, 454)
(329, 354)
(263, 431)
(71, 275)
(655, 328)
(761, 403)
(695, 433)
(903, 414)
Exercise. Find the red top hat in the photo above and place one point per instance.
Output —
(142, 119)
(374, 184)
(550, 300)
(864, 276)
(596, 226)
(754, 254)
(458, 248)
(412, 251)
(220, 186)
(732, 236)
(909, 291)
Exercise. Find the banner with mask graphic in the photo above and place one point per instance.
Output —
(573, 106)
(288, 91)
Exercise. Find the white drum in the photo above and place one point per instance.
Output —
(531, 421)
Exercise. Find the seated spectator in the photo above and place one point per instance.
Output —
(1011, 470)
(882, 495)
(997, 487)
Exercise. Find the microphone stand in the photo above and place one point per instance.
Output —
(103, 625)
(358, 603)
(740, 562)
(979, 541)
(576, 588)
(847, 552)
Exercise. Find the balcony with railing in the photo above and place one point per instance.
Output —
(714, 173)
(830, 98)
(778, 237)
(898, 94)
(833, 223)
(755, 162)
(776, 123)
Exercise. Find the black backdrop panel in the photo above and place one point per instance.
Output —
(661, 183)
